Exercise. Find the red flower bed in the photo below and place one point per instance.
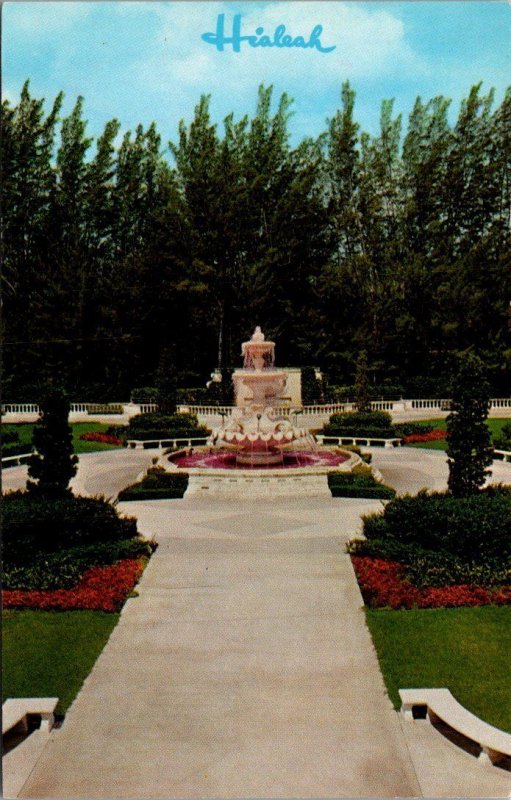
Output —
(382, 585)
(99, 589)
(432, 436)
(100, 437)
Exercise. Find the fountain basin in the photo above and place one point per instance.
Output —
(218, 473)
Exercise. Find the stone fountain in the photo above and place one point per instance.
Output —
(258, 451)
(257, 434)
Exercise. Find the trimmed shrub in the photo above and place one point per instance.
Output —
(366, 424)
(34, 525)
(475, 529)
(157, 485)
(62, 570)
(160, 426)
(359, 433)
(362, 419)
(361, 484)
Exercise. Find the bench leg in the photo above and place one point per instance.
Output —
(407, 712)
(47, 721)
(484, 757)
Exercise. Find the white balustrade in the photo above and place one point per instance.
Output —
(317, 410)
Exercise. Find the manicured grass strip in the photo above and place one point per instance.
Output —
(466, 650)
(24, 431)
(50, 653)
(495, 426)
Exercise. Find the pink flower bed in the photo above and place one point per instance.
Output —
(432, 436)
(99, 589)
(383, 586)
(104, 438)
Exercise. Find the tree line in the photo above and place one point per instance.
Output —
(126, 261)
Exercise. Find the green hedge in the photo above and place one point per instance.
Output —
(353, 420)
(34, 526)
(157, 485)
(62, 570)
(358, 485)
(443, 539)
(161, 426)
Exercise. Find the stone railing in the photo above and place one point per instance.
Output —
(502, 455)
(148, 444)
(83, 410)
(327, 409)
(367, 441)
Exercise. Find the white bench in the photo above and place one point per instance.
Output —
(16, 710)
(440, 704)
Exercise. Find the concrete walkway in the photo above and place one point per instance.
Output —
(244, 669)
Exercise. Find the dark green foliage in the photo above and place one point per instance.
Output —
(35, 525)
(474, 529)
(195, 396)
(377, 424)
(146, 394)
(442, 569)
(62, 570)
(157, 485)
(362, 383)
(469, 447)
(396, 244)
(409, 428)
(15, 449)
(365, 419)
(166, 381)
(54, 464)
(161, 426)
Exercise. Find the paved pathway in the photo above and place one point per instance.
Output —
(244, 669)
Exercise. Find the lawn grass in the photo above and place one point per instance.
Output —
(25, 429)
(466, 650)
(50, 653)
(495, 426)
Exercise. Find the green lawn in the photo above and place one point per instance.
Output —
(495, 426)
(50, 653)
(466, 650)
(25, 435)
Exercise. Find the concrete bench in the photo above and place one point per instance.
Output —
(440, 704)
(16, 710)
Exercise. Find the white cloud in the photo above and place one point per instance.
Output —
(33, 19)
(370, 44)
(367, 41)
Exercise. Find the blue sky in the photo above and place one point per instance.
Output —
(144, 61)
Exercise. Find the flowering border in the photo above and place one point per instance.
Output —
(104, 438)
(99, 589)
(432, 436)
(383, 586)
